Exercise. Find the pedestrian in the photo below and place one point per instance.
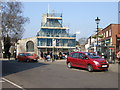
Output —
(42, 55)
(48, 56)
(60, 55)
(98, 53)
(48, 52)
(105, 55)
(51, 55)
(15, 55)
(67, 53)
(113, 57)
(118, 56)
(9, 54)
(45, 57)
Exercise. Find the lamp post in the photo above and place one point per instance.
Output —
(97, 22)
(77, 33)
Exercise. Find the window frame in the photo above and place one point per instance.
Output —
(75, 56)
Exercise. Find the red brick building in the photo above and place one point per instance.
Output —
(110, 38)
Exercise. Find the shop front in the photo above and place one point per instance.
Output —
(117, 42)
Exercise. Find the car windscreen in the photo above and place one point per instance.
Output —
(92, 55)
(21, 54)
(29, 54)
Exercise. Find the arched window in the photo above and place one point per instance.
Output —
(30, 46)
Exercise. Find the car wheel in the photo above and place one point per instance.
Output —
(69, 65)
(90, 68)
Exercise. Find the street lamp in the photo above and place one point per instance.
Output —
(97, 22)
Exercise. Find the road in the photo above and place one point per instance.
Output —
(54, 75)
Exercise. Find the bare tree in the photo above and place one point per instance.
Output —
(12, 23)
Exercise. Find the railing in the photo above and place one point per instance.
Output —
(72, 35)
(54, 14)
(51, 35)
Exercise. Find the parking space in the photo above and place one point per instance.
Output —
(9, 84)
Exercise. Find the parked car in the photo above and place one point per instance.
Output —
(87, 60)
(27, 57)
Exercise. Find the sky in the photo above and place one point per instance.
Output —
(79, 16)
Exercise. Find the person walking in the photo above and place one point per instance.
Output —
(105, 55)
(40, 55)
(118, 56)
(45, 57)
(113, 57)
(60, 55)
(9, 54)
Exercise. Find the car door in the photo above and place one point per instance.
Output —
(74, 59)
(82, 60)
(22, 56)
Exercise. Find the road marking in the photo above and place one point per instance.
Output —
(13, 83)
(2, 81)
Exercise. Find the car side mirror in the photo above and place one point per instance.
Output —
(86, 57)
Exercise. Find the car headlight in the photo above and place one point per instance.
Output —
(96, 62)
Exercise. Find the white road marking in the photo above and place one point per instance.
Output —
(13, 83)
(2, 81)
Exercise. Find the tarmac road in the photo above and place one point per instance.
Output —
(55, 75)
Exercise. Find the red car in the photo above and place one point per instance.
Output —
(87, 60)
(27, 57)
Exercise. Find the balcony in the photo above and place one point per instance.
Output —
(62, 36)
(54, 15)
(58, 18)
(54, 28)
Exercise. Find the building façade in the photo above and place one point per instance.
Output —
(53, 36)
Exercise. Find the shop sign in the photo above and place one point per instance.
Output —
(118, 39)
(107, 41)
(111, 48)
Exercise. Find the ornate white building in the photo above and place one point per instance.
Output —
(53, 36)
